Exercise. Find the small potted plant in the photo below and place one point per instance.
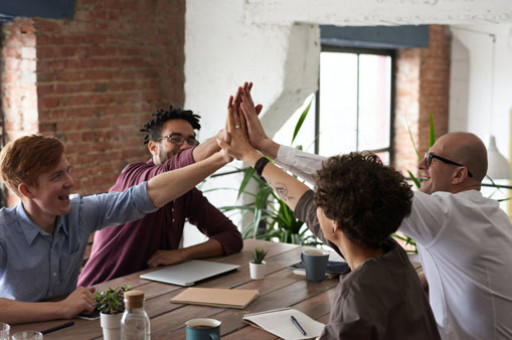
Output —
(257, 266)
(111, 306)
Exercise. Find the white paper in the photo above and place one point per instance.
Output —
(279, 323)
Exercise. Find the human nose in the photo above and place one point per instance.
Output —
(422, 165)
(69, 181)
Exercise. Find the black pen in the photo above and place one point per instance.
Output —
(56, 328)
(296, 323)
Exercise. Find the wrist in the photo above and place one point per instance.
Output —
(251, 158)
(183, 254)
(268, 147)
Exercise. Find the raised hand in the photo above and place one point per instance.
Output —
(257, 135)
(237, 143)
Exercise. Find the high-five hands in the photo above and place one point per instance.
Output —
(236, 143)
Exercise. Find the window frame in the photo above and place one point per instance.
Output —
(358, 51)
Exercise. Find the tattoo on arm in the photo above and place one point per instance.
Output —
(282, 191)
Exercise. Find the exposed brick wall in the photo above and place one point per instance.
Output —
(99, 77)
(422, 88)
(18, 84)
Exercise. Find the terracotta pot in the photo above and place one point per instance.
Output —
(258, 270)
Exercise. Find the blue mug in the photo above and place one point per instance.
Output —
(315, 262)
(203, 329)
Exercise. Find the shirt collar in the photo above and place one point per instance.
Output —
(31, 230)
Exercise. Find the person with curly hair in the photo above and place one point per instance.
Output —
(358, 202)
(464, 238)
(155, 239)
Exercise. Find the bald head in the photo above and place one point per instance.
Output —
(465, 148)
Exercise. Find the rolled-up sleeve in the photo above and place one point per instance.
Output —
(302, 164)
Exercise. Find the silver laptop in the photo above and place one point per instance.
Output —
(190, 272)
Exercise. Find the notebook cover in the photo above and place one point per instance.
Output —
(217, 297)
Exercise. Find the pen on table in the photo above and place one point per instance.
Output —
(56, 328)
(237, 285)
(296, 323)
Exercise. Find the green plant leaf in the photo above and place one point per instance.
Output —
(248, 175)
(431, 132)
(413, 178)
(301, 120)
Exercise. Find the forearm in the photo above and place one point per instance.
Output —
(170, 185)
(210, 248)
(206, 149)
(14, 312)
(288, 188)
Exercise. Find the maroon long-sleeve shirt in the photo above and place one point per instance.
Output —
(124, 249)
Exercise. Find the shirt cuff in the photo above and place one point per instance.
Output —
(144, 203)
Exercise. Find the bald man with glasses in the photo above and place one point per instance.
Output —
(464, 239)
(155, 239)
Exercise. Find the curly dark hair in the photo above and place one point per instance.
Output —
(153, 128)
(368, 199)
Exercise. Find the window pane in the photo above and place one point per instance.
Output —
(374, 101)
(338, 103)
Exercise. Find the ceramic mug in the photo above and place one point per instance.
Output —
(203, 329)
(315, 261)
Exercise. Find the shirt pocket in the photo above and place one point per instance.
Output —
(70, 265)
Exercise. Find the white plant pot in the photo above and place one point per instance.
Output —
(258, 270)
(111, 325)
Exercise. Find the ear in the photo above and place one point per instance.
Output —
(335, 228)
(24, 190)
(153, 147)
(460, 175)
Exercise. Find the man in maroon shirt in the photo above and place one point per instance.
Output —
(154, 240)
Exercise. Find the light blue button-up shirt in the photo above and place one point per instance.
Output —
(36, 266)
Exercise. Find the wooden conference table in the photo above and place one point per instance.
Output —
(280, 288)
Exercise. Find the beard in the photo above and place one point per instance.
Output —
(164, 156)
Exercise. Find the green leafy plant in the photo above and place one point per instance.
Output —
(111, 301)
(258, 255)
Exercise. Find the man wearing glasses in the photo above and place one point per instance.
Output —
(464, 239)
(155, 239)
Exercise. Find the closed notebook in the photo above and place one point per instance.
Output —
(217, 297)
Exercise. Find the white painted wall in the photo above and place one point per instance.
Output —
(479, 101)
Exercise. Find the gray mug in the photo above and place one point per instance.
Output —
(315, 262)
(203, 329)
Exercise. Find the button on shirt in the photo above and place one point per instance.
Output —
(36, 266)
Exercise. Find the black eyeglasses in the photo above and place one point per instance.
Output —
(429, 156)
(178, 139)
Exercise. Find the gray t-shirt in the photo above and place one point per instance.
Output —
(381, 299)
